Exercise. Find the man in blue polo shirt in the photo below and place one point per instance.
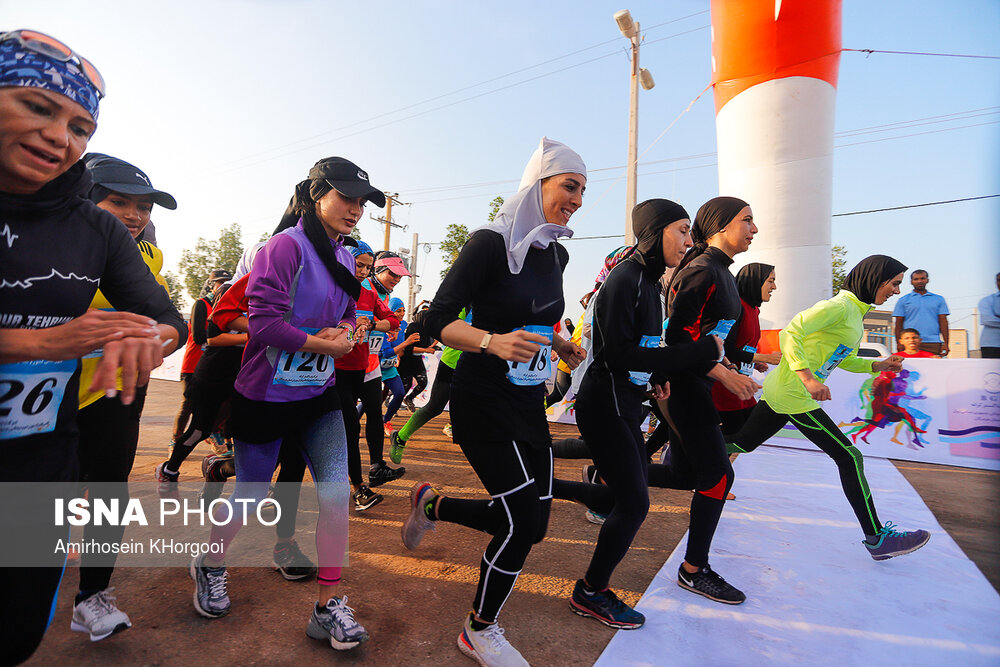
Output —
(924, 311)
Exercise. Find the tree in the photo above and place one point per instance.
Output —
(839, 253)
(495, 207)
(196, 265)
(175, 290)
(454, 239)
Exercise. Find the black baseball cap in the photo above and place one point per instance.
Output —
(220, 274)
(120, 176)
(347, 178)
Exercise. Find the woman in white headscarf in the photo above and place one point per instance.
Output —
(510, 274)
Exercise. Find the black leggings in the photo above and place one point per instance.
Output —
(414, 372)
(619, 451)
(208, 410)
(518, 478)
(109, 434)
(351, 387)
(822, 432)
(440, 394)
(698, 461)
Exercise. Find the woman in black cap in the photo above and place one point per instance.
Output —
(109, 430)
(702, 300)
(755, 283)
(816, 341)
(627, 357)
(55, 248)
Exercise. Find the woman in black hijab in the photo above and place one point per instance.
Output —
(627, 357)
(816, 341)
(754, 282)
(701, 301)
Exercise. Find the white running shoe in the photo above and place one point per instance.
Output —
(98, 616)
(335, 622)
(417, 523)
(489, 647)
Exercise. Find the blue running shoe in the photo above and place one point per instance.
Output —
(895, 543)
(606, 607)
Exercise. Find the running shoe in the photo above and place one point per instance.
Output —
(589, 474)
(98, 616)
(606, 607)
(215, 476)
(595, 517)
(409, 405)
(706, 582)
(892, 542)
(418, 523)
(489, 647)
(447, 430)
(166, 486)
(269, 510)
(219, 443)
(335, 622)
(211, 588)
(365, 498)
(396, 447)
(380, 473)
(289, 560)
(388, 428)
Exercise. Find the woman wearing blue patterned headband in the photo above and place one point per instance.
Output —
(48, 112)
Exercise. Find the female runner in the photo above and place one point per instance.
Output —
(302, 294)
(816, 341)
(510, 274)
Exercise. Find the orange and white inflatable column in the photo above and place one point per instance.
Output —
(774, 65)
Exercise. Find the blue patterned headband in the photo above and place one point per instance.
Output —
(20, 67)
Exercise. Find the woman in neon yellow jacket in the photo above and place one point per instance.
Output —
(816, 341)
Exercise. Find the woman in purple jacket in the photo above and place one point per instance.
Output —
(302, 294)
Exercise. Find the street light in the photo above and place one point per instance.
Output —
(637, 76)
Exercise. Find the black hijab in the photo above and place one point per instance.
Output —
(750, 281)
(871, 273)
(713, 216)
(649, 219)
(303, 205)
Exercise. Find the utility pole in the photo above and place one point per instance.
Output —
(630, 30)
(390, 199)
(414, 288)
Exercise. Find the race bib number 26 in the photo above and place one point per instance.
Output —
(30, 395)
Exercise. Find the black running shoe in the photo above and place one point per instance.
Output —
(706, 582)
(365, 498)
(291, 562)
(380, 473)
(606, 607)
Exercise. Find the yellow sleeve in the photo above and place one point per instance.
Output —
(792, 338)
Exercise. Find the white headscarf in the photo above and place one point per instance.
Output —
(246, 261)
(521, 220)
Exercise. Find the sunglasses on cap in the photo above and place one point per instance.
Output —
(50, 47)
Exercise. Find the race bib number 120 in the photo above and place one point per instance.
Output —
(30, 395)
(303, 369)
(538, 369)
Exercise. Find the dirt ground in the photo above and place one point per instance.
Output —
(413, 603)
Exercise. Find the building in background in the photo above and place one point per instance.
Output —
(878, 329)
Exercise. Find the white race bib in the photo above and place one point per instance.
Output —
(537, 370)
(303, 369)
(641, 378)
(375, 340)
(30, 395)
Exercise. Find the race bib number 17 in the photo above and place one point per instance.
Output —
(538, 369)
(30, 395)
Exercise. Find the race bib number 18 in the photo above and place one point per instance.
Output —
(30, 395)
(537, 370)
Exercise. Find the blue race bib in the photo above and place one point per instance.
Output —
(537, 370)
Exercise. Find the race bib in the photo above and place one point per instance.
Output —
(388, 363)
(375, 340)
(303, 369)
(641, 378)
(747, 368)
(30, 395)
(722, 328)
(823, 372)
(371, 322)
(537, 370)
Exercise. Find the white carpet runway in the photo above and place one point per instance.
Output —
(814, 595)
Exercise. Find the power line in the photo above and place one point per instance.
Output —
(921, 53)
(931, 203)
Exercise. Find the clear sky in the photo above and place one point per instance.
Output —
(227, 104)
